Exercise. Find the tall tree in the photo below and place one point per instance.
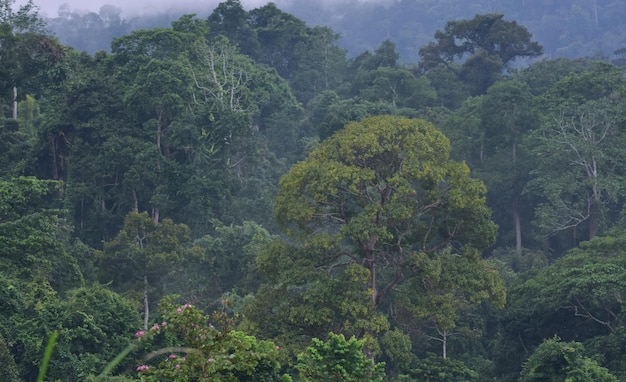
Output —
(378, 193)
(580, 149)
(142, 254)
(507, 118)
(487, 44)
(27, 52)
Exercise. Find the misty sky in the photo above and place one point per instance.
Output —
(132, 7)
(50, 7)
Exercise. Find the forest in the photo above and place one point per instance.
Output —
(243, 197)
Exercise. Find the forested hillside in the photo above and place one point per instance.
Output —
(565, 28)
(234, 197)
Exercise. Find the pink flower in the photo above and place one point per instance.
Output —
(172, 356)
(140, 333)
(178, 310)
(155, 327)
(184, 359)
(164, 323)
(178, 366)
(277, 347)
(143, 367)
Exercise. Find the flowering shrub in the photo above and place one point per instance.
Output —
(207, 352)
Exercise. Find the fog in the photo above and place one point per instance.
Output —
(50, 8)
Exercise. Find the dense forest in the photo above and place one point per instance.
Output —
(243, 197)
(565, 28)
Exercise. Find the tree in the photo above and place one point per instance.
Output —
(337, 360)
(487, 43)
(322, 64)
(206, 348)
(8, 364)
(578, 298)
(380, 192)
(95, 323)
(27, 52)
(445, 289)
(578, 146)
(34, 236)
(556, 361)
(361, 212)
(228, 255)
(507, 118)
(142, 253)
(229, 19)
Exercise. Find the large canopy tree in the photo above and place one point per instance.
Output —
(485, 44)
(369, 215)
(380, 192)
(579, 147)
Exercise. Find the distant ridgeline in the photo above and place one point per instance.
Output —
(565, 28)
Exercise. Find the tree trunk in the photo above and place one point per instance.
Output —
(135, 201)
(444, 342)
(372, 280)
(53, 157)
(593, 221)
(518, 230)
(14, 102)
(146, 307)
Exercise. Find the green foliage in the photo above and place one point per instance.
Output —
(576, 298)
(96, 324)
(368, 213)
(442, 370)
(554, 360)
(229, 256)
(196, 122)
(142, 254)
(207, 349)
(7, 363)
(338, 359)
(487, 43)
(47, 355)
(579, 152)
(397, 346)
(299, 302)
(489, 133)
(381, 185)
(446, 288)
(34, 238)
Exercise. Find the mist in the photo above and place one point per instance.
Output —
(50, 8)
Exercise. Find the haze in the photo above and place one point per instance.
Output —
(50, 8)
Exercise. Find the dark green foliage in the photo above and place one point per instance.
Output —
(486, 44)
(337, 360)
(557, 361)
(224, 269)
(579, 153)
(157, 169)
(206, 348)
(7, 364)
(576, 298)
(442, 370)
